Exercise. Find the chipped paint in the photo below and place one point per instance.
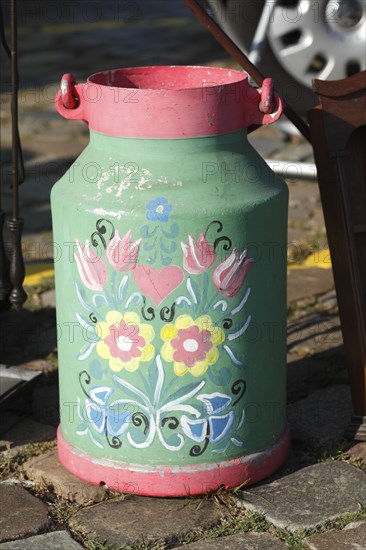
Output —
(117, 179)
(95, 198)
(103, 212)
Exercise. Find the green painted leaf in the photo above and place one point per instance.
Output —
(146, 233)
(165, 260)
(167, 249)
(96, 369)
(173, 232)
(221, 379)
(99, 300)
(80, 292)
(181, 392)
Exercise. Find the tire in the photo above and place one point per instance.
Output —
(326, 40)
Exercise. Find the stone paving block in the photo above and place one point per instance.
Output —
(308, 282)
(320, 418)
(36, 339)
(22, 514)
(313, 331)
(46, 404)
(352, 537)
(358, 451)
(137, 520)
(8, 420)
(46, 470)
(242, 541)
(302, 373)
(310, 497)
(27, 431)
(59, 540)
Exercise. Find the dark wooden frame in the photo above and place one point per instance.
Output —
(338, 135)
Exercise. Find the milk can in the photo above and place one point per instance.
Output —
(171, 285)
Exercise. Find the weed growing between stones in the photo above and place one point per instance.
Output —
(62, 510)
(91, 544)
(10, 463)
(95, 545)
(294, 541)
(234, 520)
(358, 462)
(335, 450)
(341, 522)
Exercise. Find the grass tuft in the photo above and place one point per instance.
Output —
(10, 464)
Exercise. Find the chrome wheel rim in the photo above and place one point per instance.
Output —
(319, 39)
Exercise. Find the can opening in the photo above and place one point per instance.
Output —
(167, 77)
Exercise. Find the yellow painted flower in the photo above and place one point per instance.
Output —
(192, 345)
(124, 341)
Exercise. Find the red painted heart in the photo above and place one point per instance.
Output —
(157, 284)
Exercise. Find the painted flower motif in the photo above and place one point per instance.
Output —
(124, 341)
(158, 210)
(217, 422)
(198, 255)
(191, 345)
(91, 268)
(102, 417)
(121, 253)
(228, 277)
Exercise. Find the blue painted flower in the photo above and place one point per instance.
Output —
(113, 418)
(158, 210)
(216, 425)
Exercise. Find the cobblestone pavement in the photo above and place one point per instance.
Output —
(317, 499)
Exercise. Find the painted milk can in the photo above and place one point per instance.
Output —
(171, 285)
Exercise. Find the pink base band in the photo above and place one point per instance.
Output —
(173, 481)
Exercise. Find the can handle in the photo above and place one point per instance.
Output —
(69, 99)
(269, 106)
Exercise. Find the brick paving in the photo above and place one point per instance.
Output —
(22, 514)
(352, 537)
(135, 520)
(48, 472)
(245, 541)
(310, 497)
(60, 540)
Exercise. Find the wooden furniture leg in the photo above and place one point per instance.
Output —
(338, 134)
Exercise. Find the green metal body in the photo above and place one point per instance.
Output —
(156, 409)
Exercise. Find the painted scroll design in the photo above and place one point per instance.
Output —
(141, 416)
(123, 299)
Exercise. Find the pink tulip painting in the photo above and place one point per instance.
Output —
(91, 268)
(228, 277)
(121, 253)
(198, 255)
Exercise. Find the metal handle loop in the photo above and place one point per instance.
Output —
(69, 99)
(266, 104)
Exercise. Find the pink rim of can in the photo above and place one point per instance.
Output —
(168, 102)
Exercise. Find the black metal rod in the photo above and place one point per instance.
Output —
(15, 226)
(21, 174)
(5, 286)
(243, 61)
(14, 106)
